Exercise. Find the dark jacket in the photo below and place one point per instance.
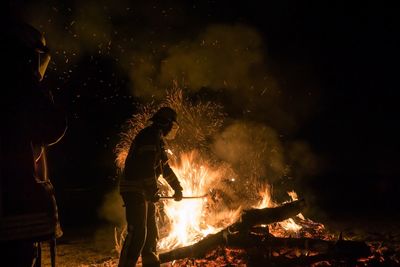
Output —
(30, 122)
(147, 160)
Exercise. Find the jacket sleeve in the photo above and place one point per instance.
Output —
(168, 173)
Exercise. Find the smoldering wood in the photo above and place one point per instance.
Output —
(246, 221)
(240, 240)
(325, 250)
(252, 217)
(311, 251)
(240, 235)
(302, 260)
(197, 250)
(339, 248)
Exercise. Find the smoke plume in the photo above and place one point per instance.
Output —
(112, 209)
(226, 60)
(253, 149)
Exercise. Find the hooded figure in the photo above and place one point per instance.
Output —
(146, 161)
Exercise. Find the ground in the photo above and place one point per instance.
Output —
(84, 247)
(95, 246)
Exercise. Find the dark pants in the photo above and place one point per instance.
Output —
(142, 232)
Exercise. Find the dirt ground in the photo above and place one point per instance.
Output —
(84, 247)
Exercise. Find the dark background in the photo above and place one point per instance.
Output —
(351, 51)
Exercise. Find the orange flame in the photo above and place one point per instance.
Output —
(190, 220)
(285, 227)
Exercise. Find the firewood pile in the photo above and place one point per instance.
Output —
(248, 242)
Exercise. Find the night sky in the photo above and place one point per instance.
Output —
(319, 73)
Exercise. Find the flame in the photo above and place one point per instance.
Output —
(286, 227)
(299, 225)
(190, 220)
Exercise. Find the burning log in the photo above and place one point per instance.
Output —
(198, 250)
(248, 219)
(240, 240)
(275, 250)
(338, 249)
(240, 235)
(254, 217)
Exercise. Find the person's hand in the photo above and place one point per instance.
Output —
(178, 195)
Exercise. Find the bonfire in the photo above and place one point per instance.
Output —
(233, 218)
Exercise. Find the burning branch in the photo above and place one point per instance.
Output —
(254, 217)
(241, 235)
(201, 225)
(225, 237)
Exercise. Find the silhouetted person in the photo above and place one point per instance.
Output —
(29, 123)
(145, 162)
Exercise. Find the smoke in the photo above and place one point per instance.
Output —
(255, 153)
(75, 30)
(224, 59)
(259, 157)
(304, 165)
(92, 25)
(220, 57)
(112, 209)
(303, 162)
(227, 59)
(253, 149)
(223, 56)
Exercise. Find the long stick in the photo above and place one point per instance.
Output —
(191, 197)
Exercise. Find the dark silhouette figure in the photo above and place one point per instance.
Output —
(30, 123)
(146, 160)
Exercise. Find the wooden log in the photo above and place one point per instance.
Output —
(321, 250)
(250, 218)
(197, 250)
(336, 252)
(247, 220)
(240, 240)
(347, 249)
(239, 235)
